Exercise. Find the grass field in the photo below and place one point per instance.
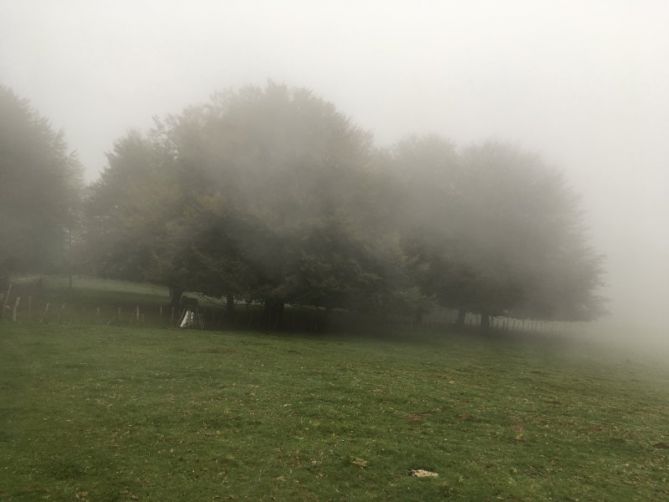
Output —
(93, 290)
(122, 413)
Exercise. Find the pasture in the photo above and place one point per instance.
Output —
(95, 412)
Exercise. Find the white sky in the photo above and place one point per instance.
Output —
(584, 83)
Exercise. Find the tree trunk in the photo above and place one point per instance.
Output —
(325, 321)
(70, 262)
(460, 321)
(273, 313)
(418, 317)
(267, 313)
(485, 322)
(5, 299)
(175, 297)
(4, 279)
(278, 314)
(230, 307)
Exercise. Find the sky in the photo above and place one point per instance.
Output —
(582, 83)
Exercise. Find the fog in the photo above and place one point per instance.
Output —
(582, 84)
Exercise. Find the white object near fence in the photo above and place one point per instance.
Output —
(188, 320)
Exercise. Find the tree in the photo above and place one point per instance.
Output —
(496, 232)
(297, 170)
(248, 189)
(527, 239)
(429, 216)
(39, 190)
(270, 194)
(128, 209)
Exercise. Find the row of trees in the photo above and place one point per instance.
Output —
(270, 194)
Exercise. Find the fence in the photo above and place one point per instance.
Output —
(58, 310)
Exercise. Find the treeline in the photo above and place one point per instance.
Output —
(40, 190)
(271, 195)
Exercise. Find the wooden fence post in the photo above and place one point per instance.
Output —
(5, 300)
(16, 308)
(46, 311)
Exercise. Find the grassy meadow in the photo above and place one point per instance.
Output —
(102, 413)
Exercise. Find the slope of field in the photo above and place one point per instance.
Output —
(93, 290)
(120, 413)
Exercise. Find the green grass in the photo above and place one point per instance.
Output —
(89, 293)
(120, 413)
(94, 291)
(88, 284)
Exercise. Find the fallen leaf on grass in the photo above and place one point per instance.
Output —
(664, 446)
(359, 462)
(422, 473)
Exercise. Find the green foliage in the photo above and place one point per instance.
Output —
(495, 231)
(527, 237)
(39, 182)
(270, 194)
(239, 197)
(127, 209)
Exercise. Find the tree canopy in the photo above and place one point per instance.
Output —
(269, 193)
(259, 193)
(497, 232)
(39, 190)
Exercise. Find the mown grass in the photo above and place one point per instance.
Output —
(122, 413)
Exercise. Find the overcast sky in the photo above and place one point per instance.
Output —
(583, 83)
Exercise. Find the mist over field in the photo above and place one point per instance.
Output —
(334, 250)
(582, 84)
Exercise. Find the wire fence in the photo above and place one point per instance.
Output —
(246, 315)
